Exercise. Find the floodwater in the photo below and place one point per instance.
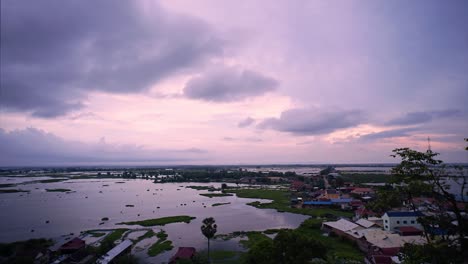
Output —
(24, 215)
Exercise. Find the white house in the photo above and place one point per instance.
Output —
(392, 220)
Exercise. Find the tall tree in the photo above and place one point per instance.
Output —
(421, 173)
(209, 229)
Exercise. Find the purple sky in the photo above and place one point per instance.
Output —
(231, 82)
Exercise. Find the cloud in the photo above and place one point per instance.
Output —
(413, 118)
(246, 122)
(391, 133)
(35, 147)
(228, 84)
(313, 121)
(55, 52)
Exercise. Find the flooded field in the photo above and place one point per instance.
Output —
(53, 214)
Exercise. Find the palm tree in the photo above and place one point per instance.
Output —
(209, 230)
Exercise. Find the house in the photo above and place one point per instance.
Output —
(297, 186)
(119, 250)
(72, 246)
(183, 253)
(363, 191)
(366, 223)
(340, 227)
(362, 212)
(392, 220)
(312, 204)
(408, 231)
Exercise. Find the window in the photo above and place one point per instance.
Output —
(412, 221)
(386, 221)
(386, 226)
(398, 222)
(404, 222)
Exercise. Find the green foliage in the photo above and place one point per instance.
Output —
(359, 178)
(219, 204)
(161, 221)
(162, 235)
(20, 252)
(58, 190)
(430, 253)
(126, 259)
(288, 247)
(160, 247)
(386, 200)
(12, 190)
(253, 239)
(211, 195)
(281, 202)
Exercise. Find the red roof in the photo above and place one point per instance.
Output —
(408, 229)
(183, 253)
(73, 244)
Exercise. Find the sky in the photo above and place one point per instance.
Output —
(231, 82)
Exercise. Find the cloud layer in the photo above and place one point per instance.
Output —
(33, 147)
(228, 84)
(313, 121)
(55, 52)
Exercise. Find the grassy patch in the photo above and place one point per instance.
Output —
(273, 231)
(51, 180)
(114, 236)
(161, 221)
(338, 248)
(200, 188)
(359, 178)
(148, 234)
(253, 238)
(20, 252)
(96, 234)
(58, 190)
(222, 255)
(280, 202)
(211, 195)
(12, 190)
(5, 185)
(219, 204)
(160, 247)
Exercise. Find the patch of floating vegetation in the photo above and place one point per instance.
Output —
(161, 245)
(5, 185)
(161, 221)
(58, 190)
(200, 188)
(148, 234)
(105, 219)
(211, 195)
(120, 182)
(219, 204)
(129, 205)
(12, 190)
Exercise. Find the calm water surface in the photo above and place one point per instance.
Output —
(73, 212)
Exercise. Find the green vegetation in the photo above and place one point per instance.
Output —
(12, 190)
(58, 190)
(161, 221)
(96, 234)
(52, 180)
(253, 238)
(148, 234)
(129, 205)
(200, 188)
(209, 229)
(161, 245)
(282, 204)
(5, 185)
(359, 178)
(219, 204)
(273, 231)
(107, 243)
(105, 219)
(338, 248)
(211, 195)
(223, 254)
(23, 251)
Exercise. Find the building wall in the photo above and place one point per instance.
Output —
(390, 223)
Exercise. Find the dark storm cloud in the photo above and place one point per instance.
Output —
(53, 52)
(413, 118)
(312, 121)
(228, 84)
(32, 146)
(246, 122)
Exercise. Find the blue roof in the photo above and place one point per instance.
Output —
(342, 200)
(404, 214)
(317, 203)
